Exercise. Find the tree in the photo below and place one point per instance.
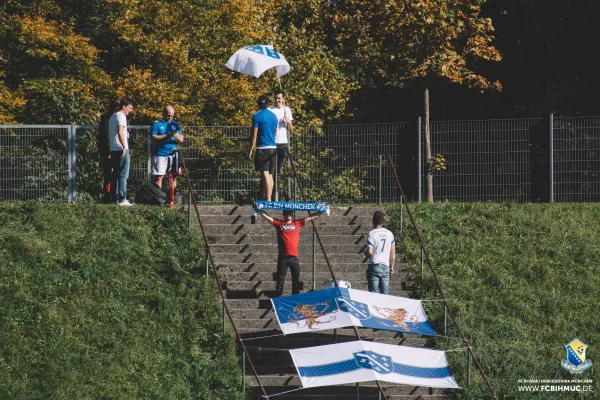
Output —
(60, 62)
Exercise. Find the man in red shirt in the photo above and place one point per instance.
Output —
(288, 239)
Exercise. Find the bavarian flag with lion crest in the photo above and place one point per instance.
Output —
(341, 307)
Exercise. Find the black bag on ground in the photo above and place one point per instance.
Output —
(150, 195)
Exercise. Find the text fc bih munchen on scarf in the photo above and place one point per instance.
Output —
(340, 307)
(292, 206)
(361, 361)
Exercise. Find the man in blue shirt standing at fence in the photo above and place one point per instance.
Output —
(166, 133)
(262, 138)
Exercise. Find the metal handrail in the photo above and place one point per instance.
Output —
(315, 230)
(214, 269)
(437, 282)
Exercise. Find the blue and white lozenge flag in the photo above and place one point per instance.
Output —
(362, 361)
(340, 307)
(292, 206)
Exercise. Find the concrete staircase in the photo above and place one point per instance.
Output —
(245, 252)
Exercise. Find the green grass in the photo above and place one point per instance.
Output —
(103, 302)
(523, 280)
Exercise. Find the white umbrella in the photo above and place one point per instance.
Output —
(254, 60)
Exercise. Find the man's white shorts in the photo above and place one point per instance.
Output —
(159, 165)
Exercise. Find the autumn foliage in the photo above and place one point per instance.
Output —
(60, 62)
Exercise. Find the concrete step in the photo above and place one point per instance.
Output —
(281, 383)
(265, 303)
(263, 323)
(306, 277)
(297, 342)
(271, 257)
(259, 287)
(273, 346)
(364, 220)
(343, 334)
(267, 229)
(328, 393)
(247, 210)
(267, 290)
(338, 267)
(245, 314)
(249, 304)
(304, 249)
(271, 238)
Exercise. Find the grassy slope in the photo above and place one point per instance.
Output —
(107, 302)
(524, 280)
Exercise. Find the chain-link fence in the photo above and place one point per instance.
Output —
(348, 163)
(576, 159)
(553, 159)
(35, 162)
(486, 160)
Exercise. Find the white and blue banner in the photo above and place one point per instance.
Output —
(256, 59)
(292, 206)
(341, 307)
(361, 361)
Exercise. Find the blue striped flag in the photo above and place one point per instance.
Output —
(361, 361)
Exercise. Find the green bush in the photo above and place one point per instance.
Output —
(105, 302)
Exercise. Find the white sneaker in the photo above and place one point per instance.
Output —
(124, 203)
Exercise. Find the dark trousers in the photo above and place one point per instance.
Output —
(281, 156)
(283, 262)
(107, 175)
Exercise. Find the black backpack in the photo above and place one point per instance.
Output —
(102, 143)
(150, 195)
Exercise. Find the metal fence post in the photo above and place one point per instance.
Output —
(275, 180)
(314, 260)
(421, 262)
(380, 177)
(445, 316)
(289, 182)
(149, 158)
(468, 368)
(419, 159)
(401, 215)
(189, 210)
(243, 372)
(551, 158)
(223, 307)
(72, 161)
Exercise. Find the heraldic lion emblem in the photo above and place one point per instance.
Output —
(310, 313)
(397, 316)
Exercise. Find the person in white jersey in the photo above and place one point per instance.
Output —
(118, 137)
(284, 129)
(381, 246)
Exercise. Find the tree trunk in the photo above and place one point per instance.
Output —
(428, 149)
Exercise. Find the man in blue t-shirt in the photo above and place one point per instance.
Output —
(166, 133)
(262, 138)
